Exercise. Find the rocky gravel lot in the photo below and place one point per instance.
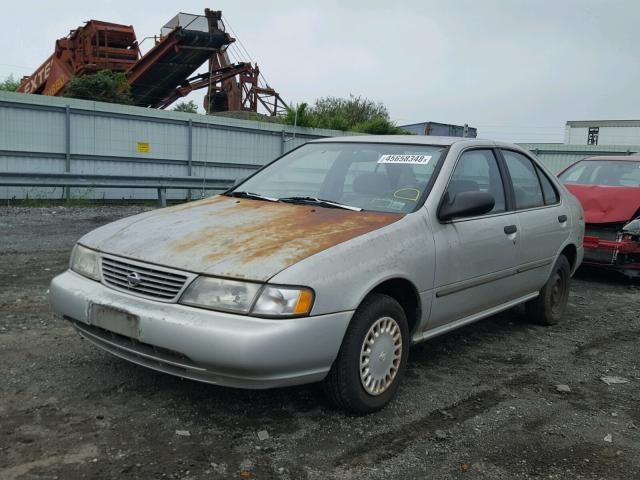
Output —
(499, 399)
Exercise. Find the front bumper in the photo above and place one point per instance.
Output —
(618, 246)
(213, 347)
(622, 254)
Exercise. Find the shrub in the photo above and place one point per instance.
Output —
(187, 107)
(9, 84)
(348, 114)
(102, 86)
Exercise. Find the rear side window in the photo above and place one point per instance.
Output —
(550, 193)
(477, 170)
(526, 186)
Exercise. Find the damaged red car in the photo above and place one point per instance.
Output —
(609, 190)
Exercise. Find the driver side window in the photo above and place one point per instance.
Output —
(477, 170)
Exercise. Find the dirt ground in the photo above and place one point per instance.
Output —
(481, 402)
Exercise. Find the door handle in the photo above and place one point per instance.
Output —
(509, 229)
(562, 218)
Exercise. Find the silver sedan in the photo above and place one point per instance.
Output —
(328, 263)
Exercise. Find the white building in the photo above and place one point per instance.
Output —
(602, 132)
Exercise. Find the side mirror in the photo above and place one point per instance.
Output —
(466, 204)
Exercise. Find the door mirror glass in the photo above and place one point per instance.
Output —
(466, 204)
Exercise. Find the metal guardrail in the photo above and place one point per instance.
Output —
(161, 184)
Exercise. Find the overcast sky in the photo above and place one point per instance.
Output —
(515, 69)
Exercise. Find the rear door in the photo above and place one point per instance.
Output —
(543, 219)
(476, 256)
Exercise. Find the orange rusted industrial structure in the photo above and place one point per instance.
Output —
(95, 46)
(164, 73)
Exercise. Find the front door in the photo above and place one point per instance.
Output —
(475, 257)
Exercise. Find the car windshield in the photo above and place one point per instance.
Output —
(368, 176)
(614, 173)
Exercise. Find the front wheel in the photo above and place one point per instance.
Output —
(372, 359)
(548, 308)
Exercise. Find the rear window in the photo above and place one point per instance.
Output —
(526, 185)
(613, 173)
(548, 190)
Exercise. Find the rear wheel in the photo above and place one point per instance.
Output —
(548, 308)
(370, 365)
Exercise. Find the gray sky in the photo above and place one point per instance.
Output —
(515, 69)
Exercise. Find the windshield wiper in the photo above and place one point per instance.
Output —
(318, 201)
(256, 196)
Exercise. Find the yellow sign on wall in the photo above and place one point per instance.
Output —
(143, 147)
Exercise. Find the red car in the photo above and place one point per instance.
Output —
(609, 190)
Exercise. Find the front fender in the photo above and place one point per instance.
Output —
(344, 274)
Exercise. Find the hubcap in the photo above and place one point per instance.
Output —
(380, 355)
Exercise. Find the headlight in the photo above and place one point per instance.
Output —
(283, 301)
(220, 294)
(239, 297)
(85, 262)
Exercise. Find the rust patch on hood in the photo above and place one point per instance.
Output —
(235, 238)
(281, 233)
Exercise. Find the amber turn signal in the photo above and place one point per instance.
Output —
(305, 300)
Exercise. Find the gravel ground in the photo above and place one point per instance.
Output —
(482, 402)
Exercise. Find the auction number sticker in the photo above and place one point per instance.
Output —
(406, 159)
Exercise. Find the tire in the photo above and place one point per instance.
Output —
(548, 308)
(345, 385)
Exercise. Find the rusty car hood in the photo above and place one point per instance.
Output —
(231, 237)
(606, 204)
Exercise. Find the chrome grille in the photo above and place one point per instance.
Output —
(157, 284)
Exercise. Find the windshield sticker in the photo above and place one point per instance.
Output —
(407, 193)
(388, 204)
(397, 206)
(407, 159)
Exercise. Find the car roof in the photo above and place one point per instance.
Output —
(413, 140)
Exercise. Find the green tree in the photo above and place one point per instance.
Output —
(9, 84)
(187, 107)
(102, 86)
(353, 110)
(379, 126)
(300, 115)
(348, 114)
